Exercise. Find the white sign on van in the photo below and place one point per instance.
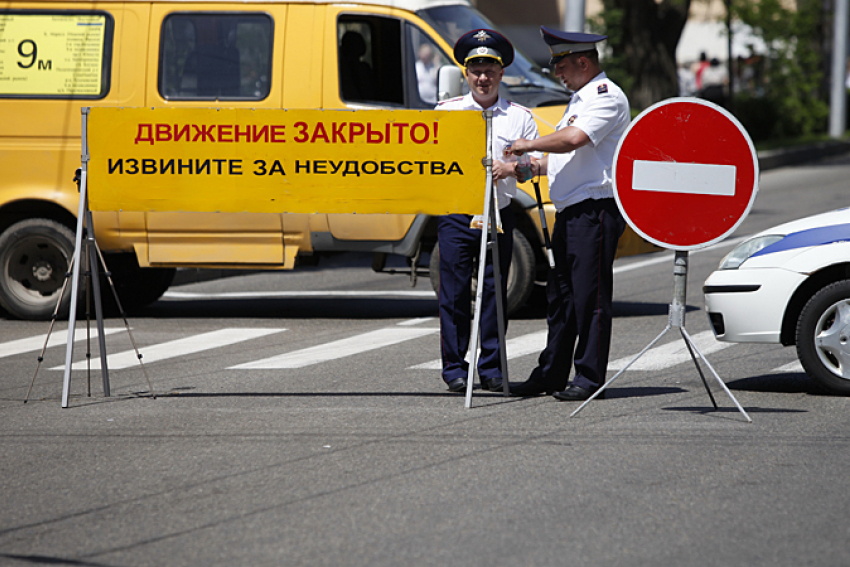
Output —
(52, 54)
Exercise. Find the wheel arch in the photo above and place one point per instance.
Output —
(816, 281)
(23, 209)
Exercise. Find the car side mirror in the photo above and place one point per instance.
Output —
(449, 82)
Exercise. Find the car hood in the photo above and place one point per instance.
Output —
(817, 230)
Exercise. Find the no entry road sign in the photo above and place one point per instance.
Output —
(685, 174)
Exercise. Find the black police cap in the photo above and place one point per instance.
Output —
(563, 43)
(483, 44)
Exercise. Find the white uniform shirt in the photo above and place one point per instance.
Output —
(600, 109)
(510, 122)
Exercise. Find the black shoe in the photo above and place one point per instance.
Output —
(457, 385)
(530, 388)
(574, 394)
(492, 385)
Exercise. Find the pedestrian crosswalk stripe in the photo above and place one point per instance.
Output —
(339, 349)
(531, 343)
(57, 338)
(417, 321)
(297, 294)
(658, 358)
(671, 354)
(179, 347)
(795, 366)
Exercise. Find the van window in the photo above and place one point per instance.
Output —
(370, 60)
(428, 58)
(55, 54)
(220, 56)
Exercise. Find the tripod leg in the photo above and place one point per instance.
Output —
(719, 381)
(98, 310)
(699, 368)
(88, 310)
(617, 375)
(500, 312)
(108, 275)
(52, 323)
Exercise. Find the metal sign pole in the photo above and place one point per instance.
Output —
(676, 319)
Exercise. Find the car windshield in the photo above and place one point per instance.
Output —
(453, 21)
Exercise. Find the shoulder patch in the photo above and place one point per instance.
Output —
(602, 89)
(455, 99)
(521, 107)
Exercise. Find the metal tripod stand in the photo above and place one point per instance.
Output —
(676, 319)
(93, 258)
(489, 239)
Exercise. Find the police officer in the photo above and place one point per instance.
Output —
(588, 223)
(484, 54)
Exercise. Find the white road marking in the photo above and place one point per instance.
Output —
(294, 294)
(531, 343)
(417, 321)
(795, 366)
(672, 353)
(173, 349)
(339, 349)
(57, 338)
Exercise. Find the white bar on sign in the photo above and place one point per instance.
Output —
(689, 178)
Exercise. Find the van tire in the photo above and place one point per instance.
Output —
(35, 255)
(520, 276)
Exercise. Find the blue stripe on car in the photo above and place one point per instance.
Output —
(811, 237)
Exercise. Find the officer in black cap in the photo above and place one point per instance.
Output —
(588, 223)
(484, 54)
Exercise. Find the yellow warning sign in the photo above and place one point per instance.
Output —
(286, 161)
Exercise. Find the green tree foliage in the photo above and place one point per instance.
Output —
(789, 96)
(642, 40)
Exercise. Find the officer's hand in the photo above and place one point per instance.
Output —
(535, 171)
(520, 146)
(502, 170)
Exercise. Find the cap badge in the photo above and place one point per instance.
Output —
(482, 36)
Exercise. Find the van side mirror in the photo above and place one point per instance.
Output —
(449, 82)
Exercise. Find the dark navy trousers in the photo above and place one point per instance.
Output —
(459, 246)
(580, 291)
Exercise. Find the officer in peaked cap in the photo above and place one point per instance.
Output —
(481, 45)
(484, 55)
(588, 223)
(562, 43)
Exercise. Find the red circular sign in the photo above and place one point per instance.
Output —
(685, 174)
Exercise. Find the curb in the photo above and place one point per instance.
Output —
(772, 159)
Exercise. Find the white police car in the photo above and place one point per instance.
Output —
(790, 285)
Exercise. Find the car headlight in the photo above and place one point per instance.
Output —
(742, 252)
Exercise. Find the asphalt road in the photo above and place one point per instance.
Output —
(299, 420)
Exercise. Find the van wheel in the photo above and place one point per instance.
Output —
(35, 255)
(823, 337)
(520, 274)
(136, 287)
